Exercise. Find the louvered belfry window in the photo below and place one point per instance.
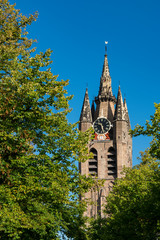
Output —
(93, 163)
(112, 168)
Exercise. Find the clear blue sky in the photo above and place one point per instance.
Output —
(76, 31)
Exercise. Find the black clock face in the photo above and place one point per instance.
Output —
(102, 125)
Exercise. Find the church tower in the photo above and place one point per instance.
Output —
(112, 146)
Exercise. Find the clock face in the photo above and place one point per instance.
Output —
(101, 125)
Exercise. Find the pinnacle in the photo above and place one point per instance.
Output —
(86, 110)
(119, 106)
(126, 115)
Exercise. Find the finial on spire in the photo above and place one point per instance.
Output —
(106, 42)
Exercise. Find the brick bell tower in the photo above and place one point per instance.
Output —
(112, 146)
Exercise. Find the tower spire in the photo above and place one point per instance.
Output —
(105, 82)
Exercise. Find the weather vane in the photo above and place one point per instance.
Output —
(106, 42)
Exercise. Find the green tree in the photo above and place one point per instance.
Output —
(133, 206)
(152, 129)
(39, 181)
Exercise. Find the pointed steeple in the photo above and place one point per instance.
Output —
(125, 106)
(126, 115)
(105, 100)
(105, 82)
(119, 111)
(86, 115)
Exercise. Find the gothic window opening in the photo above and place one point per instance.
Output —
(93, 163)
(112, 168)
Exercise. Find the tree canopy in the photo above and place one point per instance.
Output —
(39, 181)
(152, 129)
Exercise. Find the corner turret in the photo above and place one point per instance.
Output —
(122, 139)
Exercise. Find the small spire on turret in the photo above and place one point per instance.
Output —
(125, 104)
(119, 111)
(86, 115)
(126, 115)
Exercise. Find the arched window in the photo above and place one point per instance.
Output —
(112, 168)
(93, 163)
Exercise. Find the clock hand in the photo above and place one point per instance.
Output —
(101, 126)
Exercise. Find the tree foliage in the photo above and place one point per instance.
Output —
(39, 180)
(152, 129)
(133, 206)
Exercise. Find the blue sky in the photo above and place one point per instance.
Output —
(76, 32)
